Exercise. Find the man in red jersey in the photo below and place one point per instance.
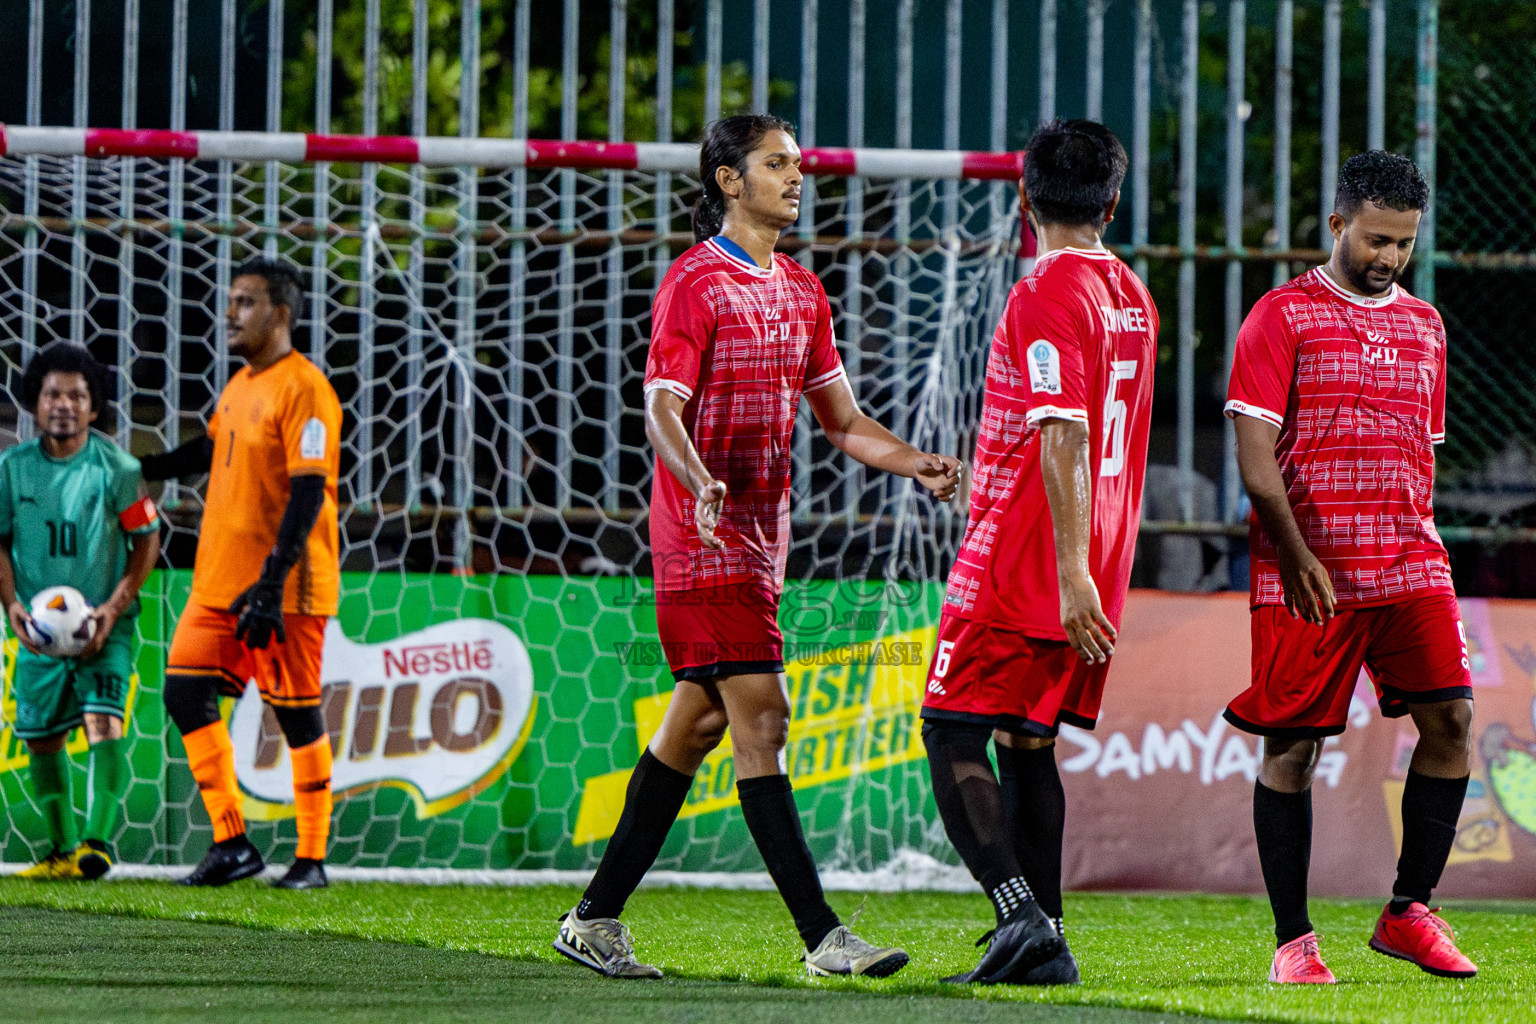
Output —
(738, 334)
(1338, 395)
(1035, 595)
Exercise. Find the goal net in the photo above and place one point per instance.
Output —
(482, 308)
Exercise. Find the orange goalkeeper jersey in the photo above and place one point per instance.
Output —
(268, 426)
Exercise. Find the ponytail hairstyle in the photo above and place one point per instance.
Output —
(729, 142)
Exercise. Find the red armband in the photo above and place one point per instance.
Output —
(139, 515)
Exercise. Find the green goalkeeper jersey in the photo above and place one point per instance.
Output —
(68, 520)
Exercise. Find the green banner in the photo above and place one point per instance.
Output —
(491, 722)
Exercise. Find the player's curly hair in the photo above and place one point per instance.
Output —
(1385, 179)
(64, 357)
(1072, 171)
(728, 143)
(284, 286)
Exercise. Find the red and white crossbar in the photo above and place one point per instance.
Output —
(294, 147)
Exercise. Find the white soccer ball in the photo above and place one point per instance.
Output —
(61, 622)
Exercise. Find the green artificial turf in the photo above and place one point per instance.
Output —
(140, 951)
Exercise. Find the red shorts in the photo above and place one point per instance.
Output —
(1415, 652)
(287, 673)
(731, 630)
(1010, 681)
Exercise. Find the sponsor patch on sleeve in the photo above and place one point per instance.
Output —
(1044, 368)
(312, 440)
(139, 516)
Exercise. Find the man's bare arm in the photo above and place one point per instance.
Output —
(1308, 589)
(861, 436)
(1067, 472)
(664, 429)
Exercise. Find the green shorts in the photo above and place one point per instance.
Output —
(53, 694)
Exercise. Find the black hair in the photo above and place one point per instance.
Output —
(64, 357)
(284, 287)
(1072, 171)
(1385, 179)
(728, 143)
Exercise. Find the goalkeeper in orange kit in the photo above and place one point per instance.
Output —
(267, 573)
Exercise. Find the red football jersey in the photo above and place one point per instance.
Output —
(1357, 388)
(740, 345)
(1078, 341)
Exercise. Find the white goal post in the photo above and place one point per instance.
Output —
(482, 307)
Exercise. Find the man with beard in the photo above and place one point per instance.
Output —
(73, 511)
(267, 573)
(1338, 395)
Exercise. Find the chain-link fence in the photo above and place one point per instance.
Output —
(1294, 87)
(1485, 221)
(486, 331)
(1485, 217)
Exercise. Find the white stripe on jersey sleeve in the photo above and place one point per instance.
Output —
(1437, 438)
(1235, 409)
(1051, 412)
(682, 391)
(825, 380)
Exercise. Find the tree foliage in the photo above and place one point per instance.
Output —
(444, 75)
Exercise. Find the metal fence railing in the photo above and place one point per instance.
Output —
(1236, 117)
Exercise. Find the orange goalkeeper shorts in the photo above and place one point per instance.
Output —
(287, 672)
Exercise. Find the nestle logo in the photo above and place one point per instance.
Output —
(438, 712)
(419, 660)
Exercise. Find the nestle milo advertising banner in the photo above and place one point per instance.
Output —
(491, 723)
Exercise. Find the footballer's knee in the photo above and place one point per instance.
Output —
(757, 741)
(707, 731)
(763, 730)
(192, 701)
(693, 726)
(1289, 764)
(1445, 723)
(759, 713)
(100, 727)
(47, 746)
(301, 726)
(1445, 734)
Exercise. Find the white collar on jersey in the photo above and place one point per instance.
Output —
(1092, 254)
(1359, 300)
(736, 254)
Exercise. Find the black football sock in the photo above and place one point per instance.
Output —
(1282, 823)
(1036, 808)
(971, 805)
(1430, 809)
(651, 804)
(768, 804)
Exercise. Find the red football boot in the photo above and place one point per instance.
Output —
(1419, 936)
(1298, 963)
